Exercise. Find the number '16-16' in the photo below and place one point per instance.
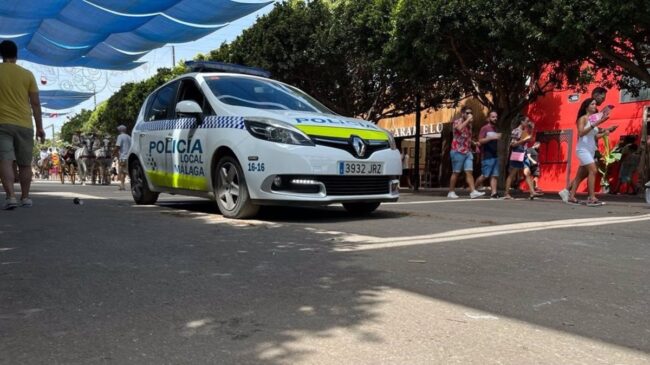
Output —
(256, 166)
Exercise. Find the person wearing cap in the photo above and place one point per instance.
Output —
(76, 138)
(19, 100)
(122, 146)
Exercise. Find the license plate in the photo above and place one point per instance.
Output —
(360, 168)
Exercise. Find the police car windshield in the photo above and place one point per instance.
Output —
(262, 94)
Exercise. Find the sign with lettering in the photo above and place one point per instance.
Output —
(425, 129)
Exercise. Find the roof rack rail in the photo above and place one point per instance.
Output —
(214, 66)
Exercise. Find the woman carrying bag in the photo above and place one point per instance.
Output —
(519, 144)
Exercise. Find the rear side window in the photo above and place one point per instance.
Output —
(161, 103)
(189, 90)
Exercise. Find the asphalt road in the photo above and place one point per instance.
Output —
(422, 281)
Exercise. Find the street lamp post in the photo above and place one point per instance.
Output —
(51, 126)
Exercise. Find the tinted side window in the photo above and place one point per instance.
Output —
(162, 103)
(147, 107)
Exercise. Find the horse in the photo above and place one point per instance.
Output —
(103, 160)
(68, 164)
(85, 159)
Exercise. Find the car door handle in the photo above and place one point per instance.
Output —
(169, 138)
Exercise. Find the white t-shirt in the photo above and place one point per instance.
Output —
(405, 161)
(124, 142)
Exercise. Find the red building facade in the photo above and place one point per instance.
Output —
(555, 121)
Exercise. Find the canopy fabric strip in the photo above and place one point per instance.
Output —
(62, 99)
(111, 34)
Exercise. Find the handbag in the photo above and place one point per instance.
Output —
(517, 156)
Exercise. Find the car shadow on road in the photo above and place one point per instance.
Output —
(283, 214)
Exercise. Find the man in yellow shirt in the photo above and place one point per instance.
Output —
(18, 98)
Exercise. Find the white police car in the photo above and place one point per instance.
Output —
(246, 140)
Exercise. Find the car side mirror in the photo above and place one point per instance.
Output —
(190, 107)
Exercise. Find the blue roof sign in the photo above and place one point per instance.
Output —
(214, 66)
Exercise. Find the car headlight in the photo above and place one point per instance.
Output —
(276, 131)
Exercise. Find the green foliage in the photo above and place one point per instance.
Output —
(608, 157)
(289, 42)
(488, 49)
(612, 35)
(332, 50)
(94, 123)
(74, 123)
(121, 108)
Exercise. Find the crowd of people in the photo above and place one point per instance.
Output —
(523, 155)
(50, 159)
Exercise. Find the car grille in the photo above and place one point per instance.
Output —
(349, 185)
(344, 144)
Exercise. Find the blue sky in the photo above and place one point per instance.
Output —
(108, 82)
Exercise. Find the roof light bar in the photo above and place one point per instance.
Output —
(213, 66)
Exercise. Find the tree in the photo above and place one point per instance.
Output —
(124, 106)
(485, 49)
(359, 35)
(333, 50)
(121, 108)
(74, 123)
(444, 51)
(613, 36)
(288, 42)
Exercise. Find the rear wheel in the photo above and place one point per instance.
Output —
(139, 187)
(231, 190)
(360, 208)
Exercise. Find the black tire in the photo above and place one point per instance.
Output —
(139, 187)
(231, 191)
(360, 208)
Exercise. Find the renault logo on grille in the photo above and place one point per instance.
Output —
(359, 146)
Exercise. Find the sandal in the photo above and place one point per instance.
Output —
(508, 197)
(594, 203)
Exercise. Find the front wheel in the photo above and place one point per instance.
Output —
(647, 192)
(139, 187)
(231, 190)
(360, 208)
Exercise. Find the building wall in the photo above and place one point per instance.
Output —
(555, 119)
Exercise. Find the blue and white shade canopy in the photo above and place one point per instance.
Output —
(62, 99)
(111, 34)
